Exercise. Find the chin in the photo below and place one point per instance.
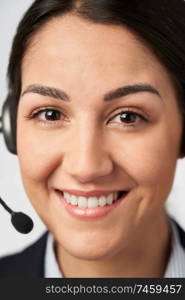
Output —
(90, 253)
(91, 247)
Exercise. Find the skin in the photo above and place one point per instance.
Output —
(90, 148)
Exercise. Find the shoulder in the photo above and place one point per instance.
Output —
(29, 262)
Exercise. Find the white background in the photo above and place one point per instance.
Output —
(11, 188)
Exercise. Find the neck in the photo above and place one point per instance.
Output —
(146, 256)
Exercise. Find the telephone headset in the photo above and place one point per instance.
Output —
(21, 222)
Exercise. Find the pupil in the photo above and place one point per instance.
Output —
(52, 115)
(128, 117)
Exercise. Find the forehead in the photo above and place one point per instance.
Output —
(69, 47)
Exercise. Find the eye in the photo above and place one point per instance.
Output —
(129, 117)
(47, 115)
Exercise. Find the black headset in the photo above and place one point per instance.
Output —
(8, 124)
(21, 222)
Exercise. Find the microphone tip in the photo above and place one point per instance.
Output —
(22, 222)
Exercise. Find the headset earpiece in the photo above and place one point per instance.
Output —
(22, 222)
(8, 124)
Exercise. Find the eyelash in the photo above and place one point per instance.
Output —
(130, 112)
(34, 115)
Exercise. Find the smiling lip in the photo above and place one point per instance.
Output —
(89, 213)
(89, 193)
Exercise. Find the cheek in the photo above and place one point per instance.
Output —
(37, 162)
(150, 158)
(36, 155)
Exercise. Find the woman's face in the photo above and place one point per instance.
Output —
(88, 141)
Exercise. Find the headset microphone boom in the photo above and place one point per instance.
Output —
(21, 222)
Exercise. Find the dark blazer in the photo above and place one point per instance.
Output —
(30, 261)
(27, 263)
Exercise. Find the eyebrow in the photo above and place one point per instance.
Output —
(114, 94)
(46, 91)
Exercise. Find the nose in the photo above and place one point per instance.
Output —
(88, 158)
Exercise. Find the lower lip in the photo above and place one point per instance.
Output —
(90, 213)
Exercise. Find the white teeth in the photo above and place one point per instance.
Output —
(67, 197)
(110, 199)
(90, 202)
(102, 201)
(73, 200)
(82, 202)
(115, 196)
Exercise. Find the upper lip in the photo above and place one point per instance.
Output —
(94, 193)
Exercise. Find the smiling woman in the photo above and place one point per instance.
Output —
(96, 93)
